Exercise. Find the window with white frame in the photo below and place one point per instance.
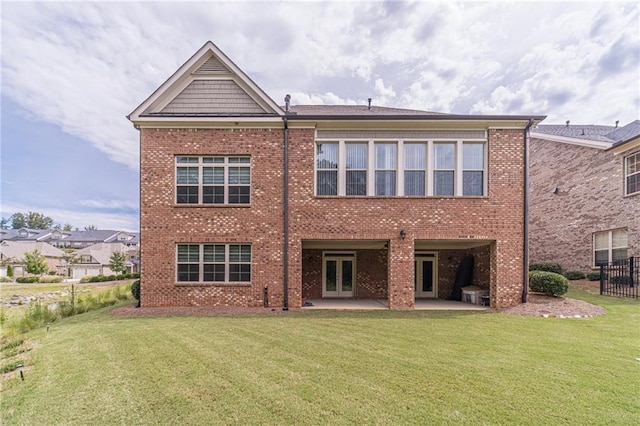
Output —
(356, 169)
(385, 175)
(327, 169)
(609, 246)
(632, 174)
(213, 180)
(213, 263)
(415, 168)
(402, 168)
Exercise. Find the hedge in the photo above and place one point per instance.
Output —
(102, 278)
(27, 280)
(593, 276)
(546, 266)
(548, 283)
(574, 275)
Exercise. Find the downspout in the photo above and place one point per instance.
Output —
(525, 260)
(285, 208)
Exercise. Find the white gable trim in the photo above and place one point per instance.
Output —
(185, 75)
(571, 141)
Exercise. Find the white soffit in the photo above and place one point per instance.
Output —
(571, 141)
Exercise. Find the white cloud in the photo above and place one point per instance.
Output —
(84, 66)
(109, 204)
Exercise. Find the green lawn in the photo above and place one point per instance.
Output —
(378, 367)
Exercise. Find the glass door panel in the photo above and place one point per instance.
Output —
(338, 277)
(425, 277)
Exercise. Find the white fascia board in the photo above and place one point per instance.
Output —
(183, 76)
(210, 122)
(571, 141)
(626, 147)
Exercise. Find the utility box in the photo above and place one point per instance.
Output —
(473, 294)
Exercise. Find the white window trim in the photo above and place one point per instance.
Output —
(200, 165)
(627, 174)
(201, 264)
(610, 247)
(430, 168)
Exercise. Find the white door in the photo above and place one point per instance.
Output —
(426, 281)
(338, 275)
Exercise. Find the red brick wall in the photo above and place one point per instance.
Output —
(163, 224)
(498, 217)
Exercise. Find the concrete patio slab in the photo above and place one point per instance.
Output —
(377, 304)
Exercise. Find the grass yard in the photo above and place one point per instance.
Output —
(378, 367)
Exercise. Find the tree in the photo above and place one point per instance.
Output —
(60, 227)
(90, 228)
(31, 220)
(4, 223)
(35, 262)
(117, 262)
(10, 271)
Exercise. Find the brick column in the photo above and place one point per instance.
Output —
(401, 273)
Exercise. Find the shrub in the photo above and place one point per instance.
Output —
(10, 271)
(135, 289)
(51, 279)
(27, 280)
(593, 276)
(620, 280)
(574, 275)
(6, 280)
(51, 272)
(546, 266)
(111, 278)
(548, 283)
(85, 279)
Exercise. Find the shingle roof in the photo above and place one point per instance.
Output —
(609, 134)
(352, 110)
(17, 249)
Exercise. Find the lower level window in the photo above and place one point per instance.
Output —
(609, 246)
(213, 262)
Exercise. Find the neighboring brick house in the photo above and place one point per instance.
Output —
(585, 194)
(240, 196)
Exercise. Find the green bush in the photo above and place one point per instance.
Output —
(548, 283)
(10, 271)
(593, 276)
(85, 279)
(574, 275)
(27, 280)
(6, 280)
(546, 266)
(135, 289)
(51, 272)
(51, 279)
(620, 280)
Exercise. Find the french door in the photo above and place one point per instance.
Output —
(338, 274)
(426, 276)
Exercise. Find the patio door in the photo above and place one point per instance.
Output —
(426, 277)
(338, 273)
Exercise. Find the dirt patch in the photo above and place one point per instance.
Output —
(561, 307)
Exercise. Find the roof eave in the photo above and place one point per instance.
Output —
(588, 143)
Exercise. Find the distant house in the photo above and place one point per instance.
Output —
(12, 252)
(71, 239)
(243, 199)
(95, 260)
(584, 194)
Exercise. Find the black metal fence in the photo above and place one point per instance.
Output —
(621, 278)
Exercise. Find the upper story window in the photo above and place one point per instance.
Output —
(432, 168)
(609, 246)
(632, 174)
(213, 180)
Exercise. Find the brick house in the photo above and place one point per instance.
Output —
(241, 197)
(584, 194)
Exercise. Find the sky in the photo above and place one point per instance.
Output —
(72, 71)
